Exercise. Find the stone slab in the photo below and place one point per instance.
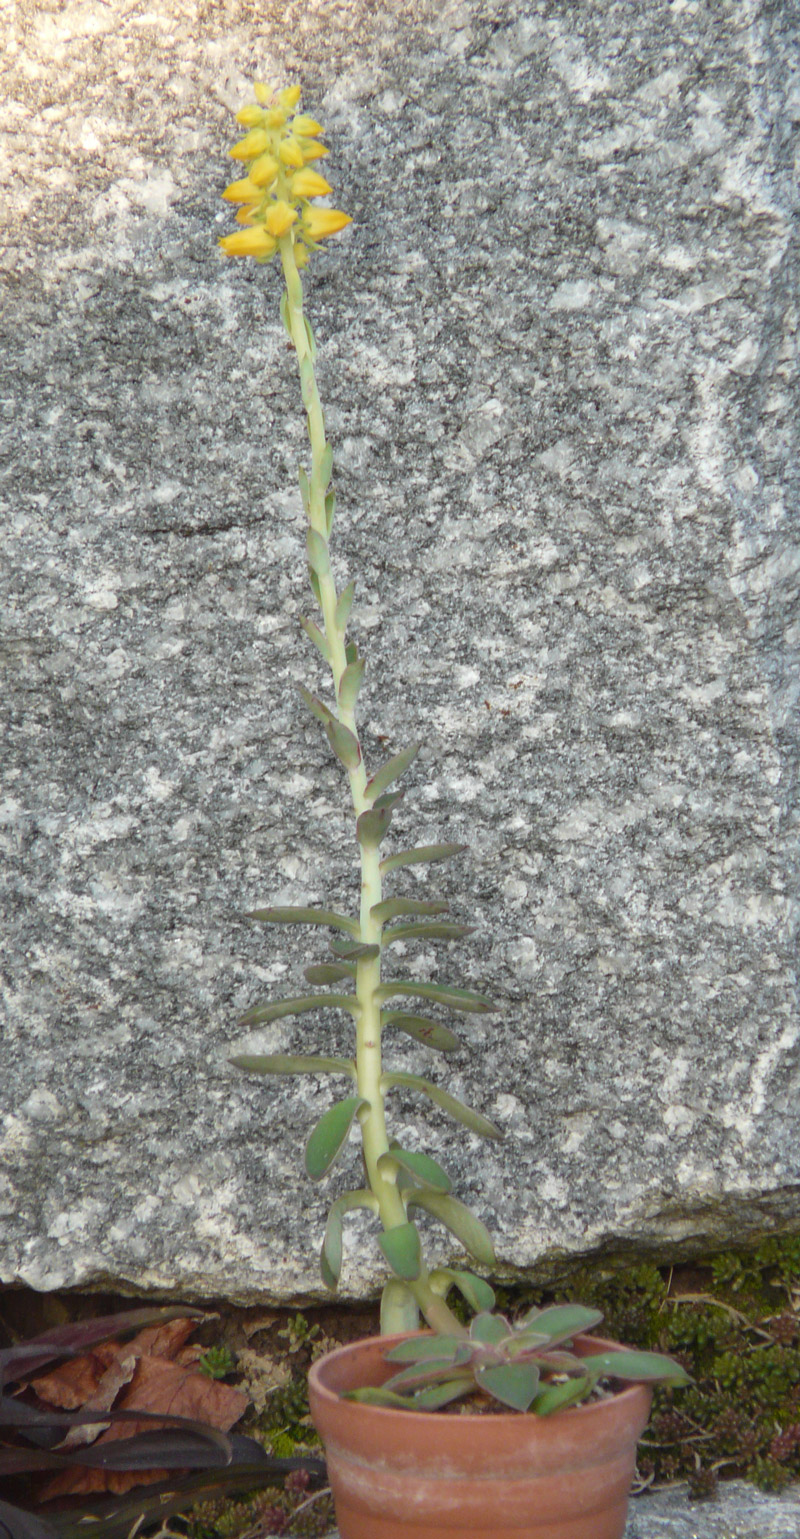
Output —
(558, 355)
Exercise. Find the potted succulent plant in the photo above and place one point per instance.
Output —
(563, 1466)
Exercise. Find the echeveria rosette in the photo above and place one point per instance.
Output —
(274, 196)
(530, 1366)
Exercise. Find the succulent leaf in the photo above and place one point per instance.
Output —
(317, 707)
(354, 950)
(330, 510)
(326, 463)
(423, 1169)
(643, 1367)
(401, 1248)
(331, 1256)
(489, 1328)
(312, 343)
(329, 972)
(404, 932)
(399, 1308)
(513, 1384)
(329, 1136)
(393, 908)
(424, 853)
(465, 1000)
(554, 1397)
(430, 1033)
(321, 916)
(559, 1322)
(391, 771)
(319, 557)
(344, 604)
(344, 744)
(474, 1290)
(471, 1119)
(298, 1006)
(315, 634)
(372, 826)
(292, 1063)
(456, 1217)
(350, 684)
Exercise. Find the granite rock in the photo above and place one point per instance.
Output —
(558, 356)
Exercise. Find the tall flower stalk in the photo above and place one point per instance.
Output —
(277, 217)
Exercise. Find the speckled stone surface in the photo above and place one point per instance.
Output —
(558, 355)
(738, 1512)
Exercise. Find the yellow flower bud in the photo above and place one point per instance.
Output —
(262, 93)
(275, 117)
(301, 255)
(290, 152)
(311, 151)
(245, 215)
(280, 217)
(308, 184)
(251, 116)
(264, 170)
(290, 97)
(252, 242)
(319, 222)
(244, 191)
(253, 144)
(305, 125)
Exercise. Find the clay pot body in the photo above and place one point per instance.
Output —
(415, 1474)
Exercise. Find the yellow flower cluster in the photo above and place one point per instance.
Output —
(278, 148)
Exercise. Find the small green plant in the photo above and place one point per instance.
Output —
(277, 217)
(217, 1363)
(526, 1367)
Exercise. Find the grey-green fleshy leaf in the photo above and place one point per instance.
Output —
(431, 1033)
(279, 1008)
(401, 1248)
(305, 490)
(331, 1255)
(424, 853)
(559, 1322)
(351, 652)
(312, 343)
(489, 1328)
(322, 916)
(465, 1000)
(389, 799)
(513, 1384)
(464, 1114)
(443, 931)
(554, 1397)
(354, 950)
(284, 309)
(315, 587)
(315, 634)
(424, 1170)
(350, 684)
(456, 1217)
(330, 510)
(329, 972)
(391, 771)
(326, 465)
(328, 1138)
(393, 908)
(372, 826)
(317, 707)
(292, 1063)
(344, 744)
(641, 1367)
(475, 1290)
(429, 1349)
(319, 557)
(344, 604)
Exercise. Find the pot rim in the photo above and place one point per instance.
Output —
(586, 1409)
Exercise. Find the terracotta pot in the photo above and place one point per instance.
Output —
(415, 1474)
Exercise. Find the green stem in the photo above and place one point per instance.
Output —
(372, 1118)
